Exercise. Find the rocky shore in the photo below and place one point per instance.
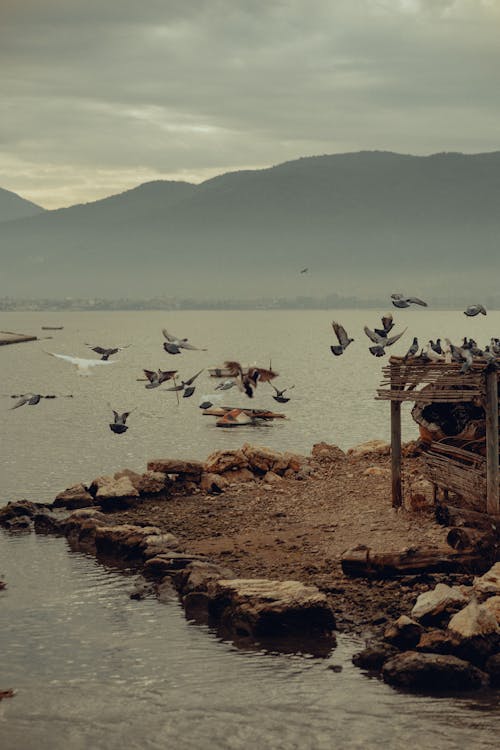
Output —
(253, 542)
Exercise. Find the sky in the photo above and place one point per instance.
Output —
(98, 96)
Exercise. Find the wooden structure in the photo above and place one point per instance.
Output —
(467, 467)
(8, 337)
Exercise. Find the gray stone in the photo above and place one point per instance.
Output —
(441, 601)
(489, 583)
(76, 496)
(404, 633)
(432, 672)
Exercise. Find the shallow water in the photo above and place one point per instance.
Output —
(94, 669)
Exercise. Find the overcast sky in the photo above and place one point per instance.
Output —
(97, 96)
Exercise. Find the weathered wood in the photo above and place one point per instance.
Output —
(8, 337)
(449, 515)
(491, 397)
(397, 492)
(364, 562)
(481, 540)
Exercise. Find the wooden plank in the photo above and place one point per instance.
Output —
(397, 492)
(8, 337)
(362, 561)
(492, 498)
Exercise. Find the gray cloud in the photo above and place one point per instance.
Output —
(186, 89)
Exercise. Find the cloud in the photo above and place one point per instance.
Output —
(175, 87)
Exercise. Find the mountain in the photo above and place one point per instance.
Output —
(364, 223)
(12, 206)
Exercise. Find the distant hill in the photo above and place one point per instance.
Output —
(364, 223)
(12, 206)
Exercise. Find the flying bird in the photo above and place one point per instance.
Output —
(342, 338)
(387, 325)
(304, 270)
(83, 365)
(247, 381)
(106, 353)
(173, 344)
(157, 378)
(186, 386)
(32, 399)
(381, 341)
(118, 425)
(280, 397)
(472, 310)
(226, 385)
(398, 300)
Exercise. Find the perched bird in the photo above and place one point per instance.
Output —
(186, 386)
(280, 397)
(472, 310)
(398, 300)
(173, 344)
(118, 425)
(106, 353)
(412, 351)
(83, 365)
(436, 346)
(468, 361)
(342, 338)
(157, 378)
(433, 355)
(226, 385)
(247, 380)
(455, 351)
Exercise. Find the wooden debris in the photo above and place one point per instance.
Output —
(8, 337)
(362, 561)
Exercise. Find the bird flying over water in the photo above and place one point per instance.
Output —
(107, 352)
(186, 386)
(280, 397)
(118, 425)
(472, 310)
(247, 381)
(32, 399)
(157, 378)
(173, 344)
(83, 365)
(399, 300)
(304, 270)
(226, 385)
(342, 338)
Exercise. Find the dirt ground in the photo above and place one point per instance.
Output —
(299, 529)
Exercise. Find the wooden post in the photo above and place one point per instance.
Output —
(397, 493)
(492, 504)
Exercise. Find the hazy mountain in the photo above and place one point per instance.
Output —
(364, 223)
(12, 206)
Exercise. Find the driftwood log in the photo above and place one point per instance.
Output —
(449, 515)
(481, 540)
(364, 562)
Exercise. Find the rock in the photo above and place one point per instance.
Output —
(403, 633)
(489, 583)
(169, 562)
(373, 657)
(213, 482)
(262, 607)
(110, 488)
(190, 469)
(294, 462)
(221, 461)
(197, 575)
(432, 672)
(125, 539)
(165, 592)
(263, 459)
(420, 495)
(438, 641)
(412, 449)
(271, 478)
(18, 508)
(156, 544)
(76, 496)
(47, 522)
(474, 620)
(377, 471)
(141, 588)
(436, 604)
(380, 447)
(18, 523)
(493, 604)
(239, 476)
(149, 483)
(492, 666)
(327, 452)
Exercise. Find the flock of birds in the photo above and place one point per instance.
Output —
(247, 379)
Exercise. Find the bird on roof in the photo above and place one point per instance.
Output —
(174, 344)
(159, 377)
(107, 352)
(412, 351)
(433, 355)
(472, 310)
(118, 425)
(399, 300)
(342, 338)
(436, 346)
(247, 380)
(82, 365)
(186, 386)
(280, 397)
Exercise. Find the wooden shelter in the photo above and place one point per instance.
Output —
(466, 464)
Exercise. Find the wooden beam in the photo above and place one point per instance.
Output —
(492, 499)
(397, 492)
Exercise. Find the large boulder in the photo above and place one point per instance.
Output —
(18, 508)
(126, 539)
(489, 583)
(190, 470)
(432, 672)
(221, 461)
(239, 476)
(436, 604)
(474, 620)
(404, 633)
(213, 483)
(262, 459)
(74, 497)
(260, 607)
(327, 453)
(149, 483)
(197, 575)
(378, 447)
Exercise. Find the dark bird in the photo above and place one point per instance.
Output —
(32, 399)
(436, 346)
(186, 386)
(107, 352)
(118, 425)
(157, 378)
(398, 300)
(173, 344)
(412, 351)
(280, 397)
(387, 325)
(342, 338)
(472, 310)
(304, 270)
(247, 380)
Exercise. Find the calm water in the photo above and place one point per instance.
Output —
(94, 669)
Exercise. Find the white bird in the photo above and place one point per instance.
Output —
(174, 344)
(83, 365)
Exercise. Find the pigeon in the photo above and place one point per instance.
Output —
(433, 355)
(412, 351)
(31, 399)
(387, 325)
(472, 310)
(118, 425)
(304, 270)
(83, 365)
(381, 341)
(280, 397)
(157, 378)
(468, 361)
(186, 386)
(456, 351)
(398, 300)
(342, 337)
(226, 385)
(247, 381)
(173, 344)
(436, 346)
(106, 353)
